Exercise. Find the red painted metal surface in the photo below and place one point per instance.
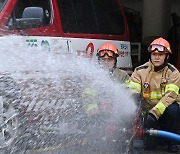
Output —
(55, 27)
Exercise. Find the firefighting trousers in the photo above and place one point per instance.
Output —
(169, 121)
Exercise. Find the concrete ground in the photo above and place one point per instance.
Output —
(160, 150)
(79, 146)
(75, 149)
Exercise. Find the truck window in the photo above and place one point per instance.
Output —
(77, 16)
(2, 4)
(91, 16)
(22, 4)
(109, 16)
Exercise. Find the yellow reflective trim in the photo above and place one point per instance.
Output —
(134, 86)
(168, 48)
(172, 87)
(89, 92)
(163, 91)
(155, 95)
(93, 107)
(161, 107)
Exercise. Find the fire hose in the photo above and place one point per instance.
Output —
(164, 134)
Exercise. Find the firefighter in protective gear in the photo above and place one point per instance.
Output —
(107, 57)
(158, 83)
(98, 107)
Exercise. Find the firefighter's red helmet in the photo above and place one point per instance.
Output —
(108, 49)
(160, 45)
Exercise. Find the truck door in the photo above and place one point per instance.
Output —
(25, 9)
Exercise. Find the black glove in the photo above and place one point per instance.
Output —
(137, 98)
(151, 121)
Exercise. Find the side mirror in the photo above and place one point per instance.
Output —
(32, 17)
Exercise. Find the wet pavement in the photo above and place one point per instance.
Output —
(160, 150)
(76, 148)
(81, 147)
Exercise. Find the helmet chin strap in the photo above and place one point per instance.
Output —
(111, 70)
(115, 63)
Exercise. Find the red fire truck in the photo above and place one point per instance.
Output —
(52, 26)
(75, 26)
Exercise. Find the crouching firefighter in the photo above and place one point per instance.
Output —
(107, 57)
(158, 83)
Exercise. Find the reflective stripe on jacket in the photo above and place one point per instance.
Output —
(163, 85)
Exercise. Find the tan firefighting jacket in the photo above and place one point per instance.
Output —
(163, 87)
(119, 75)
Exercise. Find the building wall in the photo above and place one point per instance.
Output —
(133, 4)
(156, 18)
(138, 5)
(175, 6)
(161, 19)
